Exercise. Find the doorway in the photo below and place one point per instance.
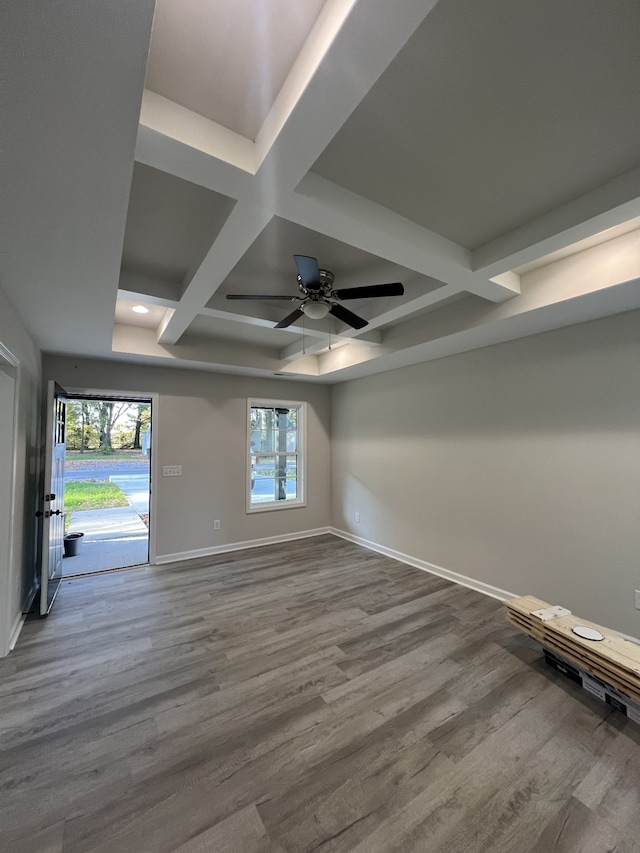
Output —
(107, 483)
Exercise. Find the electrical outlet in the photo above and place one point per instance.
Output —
(216, 524)
(357, 518)
(638, 599)
(172, 470)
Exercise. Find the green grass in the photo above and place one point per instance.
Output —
(88, 494)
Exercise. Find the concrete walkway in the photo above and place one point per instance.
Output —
(136, 489)
(113, 538)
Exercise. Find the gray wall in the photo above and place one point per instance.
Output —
(201, 425)
(19, 499)
(517, 465)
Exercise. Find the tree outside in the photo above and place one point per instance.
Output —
(106, 426)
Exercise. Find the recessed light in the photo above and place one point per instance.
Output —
(140, 309)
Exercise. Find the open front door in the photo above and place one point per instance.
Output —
(52, 510)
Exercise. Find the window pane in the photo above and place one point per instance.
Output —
(273, 430)
(274, 478)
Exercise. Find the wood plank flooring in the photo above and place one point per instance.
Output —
(306, 696)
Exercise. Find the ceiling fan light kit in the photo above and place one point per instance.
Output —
(316, 310)
(318, 297)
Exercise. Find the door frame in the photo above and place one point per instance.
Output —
(10, 623)
(99, 393)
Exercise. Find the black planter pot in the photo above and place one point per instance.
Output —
(72, 543)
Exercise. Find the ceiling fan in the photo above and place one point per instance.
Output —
(318, 297)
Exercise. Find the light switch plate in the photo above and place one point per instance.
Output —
(172, 470)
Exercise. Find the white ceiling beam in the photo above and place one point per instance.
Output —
(611, 268)
(258, 317)
(151, 292)
(413, 306)
(322, 96)
(329, 23)
(312, 347)
(323, 206)
(608, 205)
(350, 46)
(327, 207)
(177, 123)
(201, 161)
(154, 291)
(296, 349)
(338, 367)
(246, 221)
(196, 352)
(371, 334)
(334, 71)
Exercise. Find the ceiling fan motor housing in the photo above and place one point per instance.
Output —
(324, 286)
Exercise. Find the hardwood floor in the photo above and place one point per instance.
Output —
(306, 696)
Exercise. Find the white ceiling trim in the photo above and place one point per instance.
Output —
(332, 210)
(327, 27)
(259, 316)
(357, 363)
(246, 221)
(394, 315)
(323, 105)
(370, 336)
(333, 73)
(182, 125)
(608, 205)
(600, 280)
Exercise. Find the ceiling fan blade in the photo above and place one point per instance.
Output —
(290, 318)
(393, 289)
(260, 296)
(348, 317)
(308, 271)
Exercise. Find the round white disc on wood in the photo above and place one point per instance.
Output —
(587, 633)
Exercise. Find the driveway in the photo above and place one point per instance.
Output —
(104, 471)
(117, 537)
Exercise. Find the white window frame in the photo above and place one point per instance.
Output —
(300, 454)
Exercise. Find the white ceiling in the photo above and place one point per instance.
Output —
(486, 154)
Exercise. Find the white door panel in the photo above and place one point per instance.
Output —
(53, 497)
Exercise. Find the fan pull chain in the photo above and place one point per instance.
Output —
(329, 336)
(304, 349)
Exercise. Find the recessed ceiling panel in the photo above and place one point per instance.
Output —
(226, 60)
(126, 316)
(170, 224)
(262, 336)
(494, 113)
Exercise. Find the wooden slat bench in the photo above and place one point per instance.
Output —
(613, 660)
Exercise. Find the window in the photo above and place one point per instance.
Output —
(275, 464)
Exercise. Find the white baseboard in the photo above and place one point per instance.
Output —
(628, 637)
(161, 559)
(15, 631)
(423, 565)
(462, 580)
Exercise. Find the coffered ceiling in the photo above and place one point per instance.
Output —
(486, 155)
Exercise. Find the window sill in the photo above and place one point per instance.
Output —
(275, 505)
